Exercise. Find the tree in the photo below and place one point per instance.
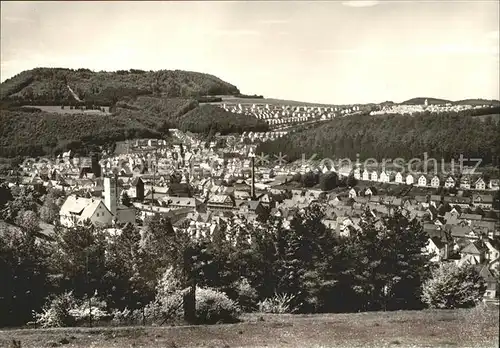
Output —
(24, 276)
(165, 246)
(351, 180)
(309, 179)
(78, 259)
(452, 286)
(328, 181)
(125, 271)
(126, 199)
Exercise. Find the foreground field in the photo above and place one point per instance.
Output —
(459, 328)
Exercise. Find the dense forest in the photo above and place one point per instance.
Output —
(391, 136)
(207, 118)
(49, 86)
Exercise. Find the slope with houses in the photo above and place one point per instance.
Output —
(206, 185)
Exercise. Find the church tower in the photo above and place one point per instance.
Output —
(110, 194)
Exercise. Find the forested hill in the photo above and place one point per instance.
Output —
(49, 86)
(32, 132)
(391, 136)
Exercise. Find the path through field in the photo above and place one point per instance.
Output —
(74, 94)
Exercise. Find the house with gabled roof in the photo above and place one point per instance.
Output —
(494, 184)
(77, 210)
(384, 177)
(398, 178)
(366, 175)
(435, 181)
(465, 182)
(410, 179)
(450, 182)
(357, 174)
(422, 181)
(490, 279)
(474, 253)
(374, 176)
(482, 201)
(480, 184)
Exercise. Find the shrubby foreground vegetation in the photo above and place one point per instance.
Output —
(159, 274)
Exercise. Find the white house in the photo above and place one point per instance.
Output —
(384, 177)
(76, 210)
(357, 174)
(422, 180)
(410, 180)
(399, 178)
(374, 176)
(480, 184)
(366, 175)
(435, 181)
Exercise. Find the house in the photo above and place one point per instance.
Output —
(494, 184)
(374, 176)
(399, 178)
(353, 193)
(368, 192)
(438, 245)
(483, 201)
(493, 246)
(474, 253)
(366, 175)
(357, 174)
(221, 203)
(435, 181)
(490, 280)
(250, 207)
(480, 184)
(465, 183)
(410, 180)
(137, 189)
(450, 182)
(422, 180)
(384, 177)
(76, 210)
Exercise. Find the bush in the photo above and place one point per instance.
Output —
(278, 304)
(80, 311)
(57, 313)
(247, 295)
(452, 286)
(213, 306)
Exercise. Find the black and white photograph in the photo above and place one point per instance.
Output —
(250, 174)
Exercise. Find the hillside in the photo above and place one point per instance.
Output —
(421, 101)
(392, 136)
(55, 86)
(474, 102)
(32, 132)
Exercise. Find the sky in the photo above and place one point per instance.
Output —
(325, 52)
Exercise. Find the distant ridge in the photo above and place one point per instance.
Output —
(421, 101)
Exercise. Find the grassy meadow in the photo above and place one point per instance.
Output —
(67, 111)
(428, 328)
